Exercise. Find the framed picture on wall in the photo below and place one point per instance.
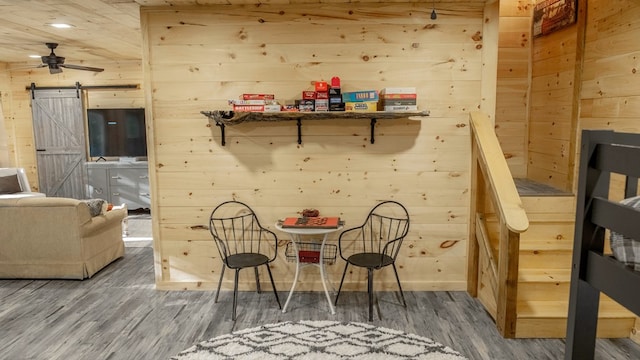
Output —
(552, 15)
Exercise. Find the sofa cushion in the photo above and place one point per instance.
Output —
(9, 184)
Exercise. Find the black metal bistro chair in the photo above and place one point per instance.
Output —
(242, 243)
(375, 244)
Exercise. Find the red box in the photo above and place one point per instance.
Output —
(322, 95)
(322, 86)
(307, 256)
(308, 95)
(335, 82)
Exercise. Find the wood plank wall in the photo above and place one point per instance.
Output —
(16, 101)
(514, 54)
(552, 99)
(6, 146)
(198, 58)
(609, 95)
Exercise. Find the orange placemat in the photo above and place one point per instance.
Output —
(319, 222)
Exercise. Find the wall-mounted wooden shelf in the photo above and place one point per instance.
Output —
(224, 118)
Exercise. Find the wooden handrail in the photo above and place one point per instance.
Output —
(498, 174)
(490, 169)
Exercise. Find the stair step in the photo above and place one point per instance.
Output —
(560, 245)
(545, 259)
(544, 275)
(542, 204)
(550, 231)
(559, 309)
(544, 284)
(548, 319)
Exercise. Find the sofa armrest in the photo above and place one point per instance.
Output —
(98, 223)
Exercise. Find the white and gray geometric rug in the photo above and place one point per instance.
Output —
(319, 340)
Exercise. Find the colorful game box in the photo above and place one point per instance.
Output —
(319, 222)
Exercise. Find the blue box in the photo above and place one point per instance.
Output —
(356, 96)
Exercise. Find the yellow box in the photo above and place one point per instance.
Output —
(361, 106)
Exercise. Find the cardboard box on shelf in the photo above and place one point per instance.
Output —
(398, 96)
(308, 94)
(258, 96)
(400, 108)
(366, 95)
(322, 105)
(248, 102)
(272, 108)
(321, 86)
(386, 102)
(290, 108)
(398, 90)
(248, 108)
(361, 106)
(335, 82)
(306, 104)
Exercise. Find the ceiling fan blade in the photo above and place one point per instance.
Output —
(27, 67)
(79, 67)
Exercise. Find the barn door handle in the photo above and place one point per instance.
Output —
(41, 149)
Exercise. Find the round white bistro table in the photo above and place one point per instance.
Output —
(295, 233)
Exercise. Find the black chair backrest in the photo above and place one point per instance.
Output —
(236, 230)
(383, 231)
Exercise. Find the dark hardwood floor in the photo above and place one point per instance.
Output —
(118, 314)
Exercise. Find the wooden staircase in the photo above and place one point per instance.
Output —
(520, 249)
(545, 272)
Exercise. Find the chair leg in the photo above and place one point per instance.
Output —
(235, 294)
(219, 283)
(399, 286)
(273, 284)
(370, 290)
(346, 265)
(255, 268)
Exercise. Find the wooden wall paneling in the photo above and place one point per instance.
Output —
(623, 108)
(513, 80)
(6, 121)
(490, 36)
(610, 89)
(552, 110)
(238, 49)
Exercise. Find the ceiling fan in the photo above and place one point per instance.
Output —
(56, 63)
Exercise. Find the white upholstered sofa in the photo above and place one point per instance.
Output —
(15, 184)
(49, 237)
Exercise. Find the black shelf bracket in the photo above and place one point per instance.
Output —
(373, 126)
(223, 141)
(299, 122)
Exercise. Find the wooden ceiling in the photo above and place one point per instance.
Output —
(103, 29)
